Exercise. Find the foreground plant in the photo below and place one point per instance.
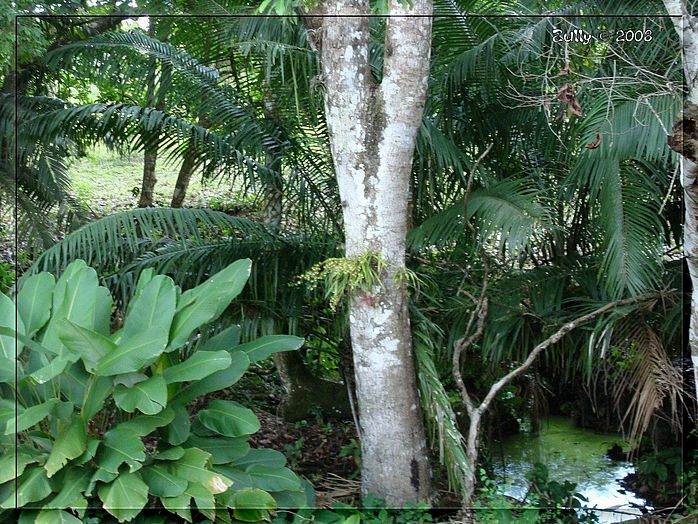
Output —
(102, 416)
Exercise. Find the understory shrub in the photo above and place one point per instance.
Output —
(103, 404)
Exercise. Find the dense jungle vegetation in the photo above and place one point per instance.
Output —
(424, 261)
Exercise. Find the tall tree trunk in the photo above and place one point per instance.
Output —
(687, 27)
(184, 176)
(372, 129)
(155, 97)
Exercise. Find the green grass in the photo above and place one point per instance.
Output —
(105, 183)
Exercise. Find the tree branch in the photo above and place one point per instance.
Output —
(506, 379)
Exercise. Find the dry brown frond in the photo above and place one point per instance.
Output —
(333, 488)
(648, 380)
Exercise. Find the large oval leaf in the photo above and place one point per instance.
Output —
(70, 444)
(219, 380)
(200, 365)
(229, 418)
(33, 301)
(162, 483)
(125, 497)
(263, 347)
(148, 397)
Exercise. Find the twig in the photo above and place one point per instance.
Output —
(506, 379)
(470, 185)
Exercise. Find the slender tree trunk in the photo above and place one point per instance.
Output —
(687, 27)
(372, 130)
(184, 177)
(155, 97)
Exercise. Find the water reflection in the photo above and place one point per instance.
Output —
(573, 454)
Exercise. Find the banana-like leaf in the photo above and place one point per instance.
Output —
(70, 444)
(223, 450)
(32, 486)
(219, 380)
(90, 345)
(195, 467)
(162, 483)
(7, 320)
(32, 301)
(73, 483)
(56, 516)
(263, 347)
(31, 416)
(119, 446)
(149, 396)
(207, 301)
(229, 418)
(252, 504)
(125, 497)
(200, 365)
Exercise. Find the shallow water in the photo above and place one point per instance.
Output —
(573, 454)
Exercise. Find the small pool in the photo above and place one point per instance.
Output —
(574, 454)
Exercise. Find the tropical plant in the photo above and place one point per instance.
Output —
(104, 413)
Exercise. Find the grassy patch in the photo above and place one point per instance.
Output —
(105, 182)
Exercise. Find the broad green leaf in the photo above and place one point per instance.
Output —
(34, 301)
(161, 482)
(101, 475)
(219, 380)
(178, 430)
(291, 499)
(97, 392)
(7, 371)
(143, 425)
(252, 505)
(263, 347)
(195, 467)
(70, 444)
(203, 498)
(129, 379)
(31, 416)
(131, 355)
(54, 368)
(71, 483)
(265, 457)
(178, 505)
(33, 485)
(143, 279)
(174, 453)
(119, 446)
(8, 410)
(274, 479)
(229, 418)
(90, 451)
(56, 516)
(152, 310)
(207, 301)
(7, 320)
(12, 464)
(149, 396)
(89, 345)
(226, 340)
(223, 450)
(125, 497)
(239, 478)
(200, 365)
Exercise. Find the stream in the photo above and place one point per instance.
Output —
(574, 454)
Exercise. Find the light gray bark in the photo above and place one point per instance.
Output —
(687, 27)
(372, 130)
